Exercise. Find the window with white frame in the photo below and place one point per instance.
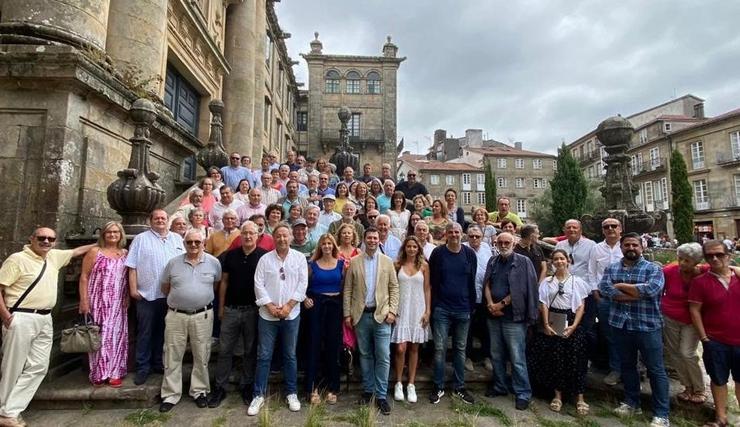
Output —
(521, 207)
(466, 197)
(666, 127)
(519, 182)
(450, 179)
(331, 81)
(434, 179)
(519, 163)
(636, 163)
(648, 192)
(353, 82)
(536, 163)
(638, 197)
(654, 157)
(554, 165)
(643, 136)
(735, 144)
(701, 195)
(501, 163)
(737, 190)
(480, 180)
(591, 171)
(373, 82)
(658, 194)
(501, 182)
(697, 155)
(538, 183)
(466, 179)
(481, 198)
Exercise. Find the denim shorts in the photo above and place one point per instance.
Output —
(720, 360)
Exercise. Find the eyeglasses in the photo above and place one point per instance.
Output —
(193, 242)
(609, 226)
(474, 236)
(411, 174)
(372, 216)
(282, 273)
(45, 238)
(235, 158)
(718, 255)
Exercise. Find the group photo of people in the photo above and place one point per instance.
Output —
(287, 264)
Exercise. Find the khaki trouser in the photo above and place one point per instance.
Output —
(26, 349)
(178, 328)
(681, 342)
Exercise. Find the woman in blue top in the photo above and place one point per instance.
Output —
(323, 314)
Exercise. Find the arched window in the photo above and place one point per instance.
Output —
(332, 81)
(353, 82)
(373, 82)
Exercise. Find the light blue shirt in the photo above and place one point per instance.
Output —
(390, 248)
(384, 203)
(148, 254)
(371, 276)
(317, 232)
(232, 176)
(580, 254)
(484, 254)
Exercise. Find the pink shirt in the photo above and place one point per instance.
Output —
(720, 307)
(674, 302)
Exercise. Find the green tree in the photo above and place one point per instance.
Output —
(570, 189)
(682, 205)
(490, 187)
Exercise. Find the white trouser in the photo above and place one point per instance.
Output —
(178, 328)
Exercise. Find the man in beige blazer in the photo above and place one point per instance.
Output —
(370, 306)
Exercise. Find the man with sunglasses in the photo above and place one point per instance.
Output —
(189, 281)
(27, 344)
(714, 304)
(235, 172)
(602, 255)
(411, 187)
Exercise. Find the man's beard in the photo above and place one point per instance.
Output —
(632, 255)
(505, 253)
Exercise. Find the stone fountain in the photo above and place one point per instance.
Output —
(615, 134)
(343, 154)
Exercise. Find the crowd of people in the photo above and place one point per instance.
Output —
(261, 259)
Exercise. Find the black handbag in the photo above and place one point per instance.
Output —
(82, 337)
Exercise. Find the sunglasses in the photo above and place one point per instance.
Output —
(282, 273)
(561, 288)
(410, 175)
(235, 158)
(609, 226)
(193, 242)
(45, 238)
(718, 255)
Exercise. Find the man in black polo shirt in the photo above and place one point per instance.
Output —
(411, 187)
(238, 313)
(528, 247)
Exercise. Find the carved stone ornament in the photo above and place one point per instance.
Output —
(343, 155)
(214, 153)
(135, 194)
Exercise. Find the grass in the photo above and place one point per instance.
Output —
(316, 416)
(363, 416)
(144, 417)
(462, 420)
(265, 418)
(481, 409)
(219, 422)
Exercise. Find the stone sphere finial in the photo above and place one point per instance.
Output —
(316, 35)
(143, 112)
(615, 133)
(216, 106)
(344, 114)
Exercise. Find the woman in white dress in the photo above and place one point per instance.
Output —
(414, 308)
(399, 215)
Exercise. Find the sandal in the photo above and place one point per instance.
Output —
(582, 408)
(315, 398)
(698, 397)
(684, 396)
(556, 404)
(331, 398)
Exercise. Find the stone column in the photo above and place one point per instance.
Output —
(238, 88)
(137, 42)
(260, 31)
(77, 22)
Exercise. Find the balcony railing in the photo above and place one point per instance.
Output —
(702, 206)
(589, 157)
(359, 135)
(652, 165)
(728, 159)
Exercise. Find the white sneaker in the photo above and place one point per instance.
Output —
(469, 365)
(625, 410)
(660, 422)
(255, 406)
(293, 403)
(398, 392)
(411, 393)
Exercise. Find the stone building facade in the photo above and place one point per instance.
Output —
(367, 86)
(467, 180)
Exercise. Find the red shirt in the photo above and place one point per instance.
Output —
(675, 303)
(720, 307)
(264, 242)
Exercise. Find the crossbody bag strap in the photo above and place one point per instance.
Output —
(29, 289)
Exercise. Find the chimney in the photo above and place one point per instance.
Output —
(699, 111)
(518, 145)
(439, 136)
(474, 137)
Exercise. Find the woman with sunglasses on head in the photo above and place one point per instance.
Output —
(558, 359)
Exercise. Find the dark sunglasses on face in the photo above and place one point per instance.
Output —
(609, 226)
(45, 238)
(193, 242)
(718, 255)
(474, 236)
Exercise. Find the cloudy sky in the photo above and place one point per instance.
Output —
(536, 71)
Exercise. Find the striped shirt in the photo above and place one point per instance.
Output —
(149, 254)
(642, 315)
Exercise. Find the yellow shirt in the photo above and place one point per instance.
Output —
(511, 216)
(22, 268)
(219, 241)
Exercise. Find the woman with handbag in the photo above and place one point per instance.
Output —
(558, 359)
(104, 295)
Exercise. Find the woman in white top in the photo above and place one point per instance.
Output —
(558, 358)
(414, 307)
(421, 231)
(480, 218)
(242, 191)
(399, 215)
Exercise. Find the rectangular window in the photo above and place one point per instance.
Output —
(735, 144)
(332, 86)
(643, 136)
(302, 121)
(466, 198)
(737, 190)
(501, 182)
(658, 194)
(450, 179)
(434, 179)
(182, 100)
(268, 49)
(482, 198)
(480, 180)
(666, 127)
(554, 165)
(521, 207)
(664, 188)
(353, 86)
(519, 163)
(373, 87)
(638, 197)
(354, 125)
(519, 182)
(466, 179)
(648, 193)
(697, 155)
(701, 195)
(267, 115)
(501, 163)
(538, 183)
(537, 164)
(654, 158)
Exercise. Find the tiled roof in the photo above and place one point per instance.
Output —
(435, 165)
(715, 119)
(508, 151)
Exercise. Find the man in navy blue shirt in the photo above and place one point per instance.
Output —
(452, 273)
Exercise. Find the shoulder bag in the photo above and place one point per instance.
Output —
(82, 337)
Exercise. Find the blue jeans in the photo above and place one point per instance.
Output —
(442, 321)
(509, 339)
(324, 324)
(650, 345)
(606, 331)
(374, 344)
(150, 334)
(268, 331)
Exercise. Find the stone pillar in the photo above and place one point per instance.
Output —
(260, 73)
(137, 42)
(240, 41)
(80, 23)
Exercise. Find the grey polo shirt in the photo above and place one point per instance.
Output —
(191, 285)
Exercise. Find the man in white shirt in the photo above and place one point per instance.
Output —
(389, 244)
(254, 207)
(215, 217)
(478, 327)
(269, 194)
(328, 215)
(280, 283)
(315, 228)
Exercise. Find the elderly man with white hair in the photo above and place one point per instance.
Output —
(389, 244)
(189, 281)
